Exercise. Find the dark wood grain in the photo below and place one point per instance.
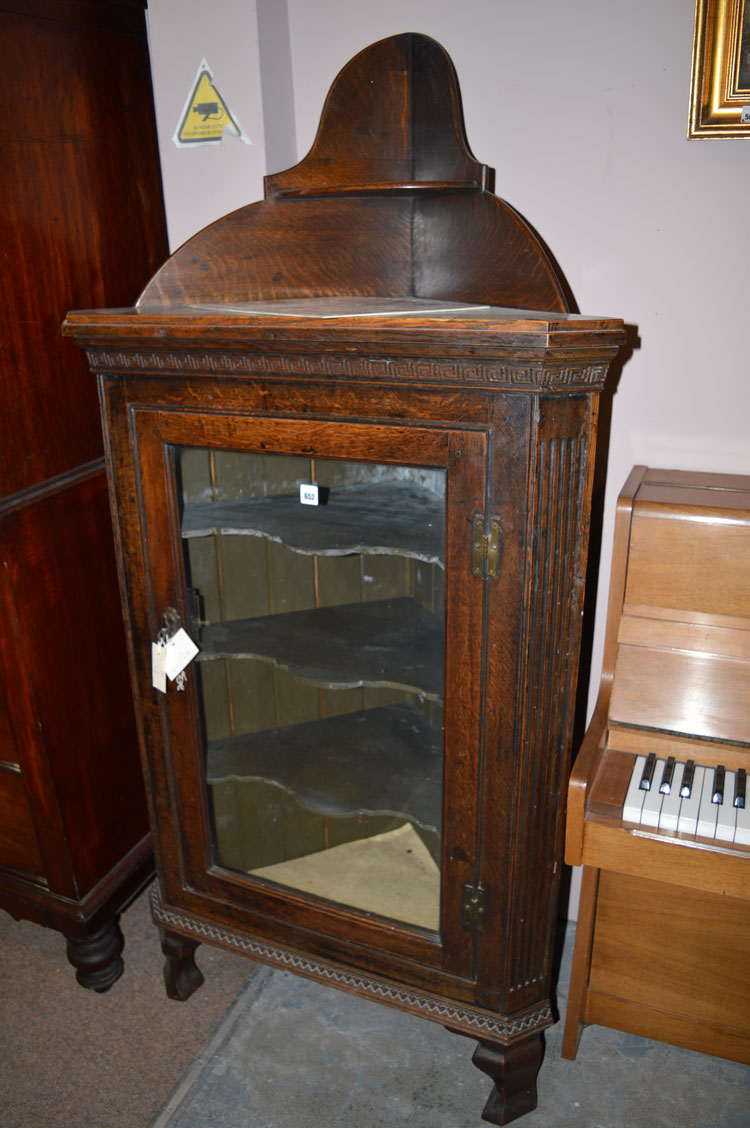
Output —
(59, 639)
(478, 248)
(182, 976)
(392, 120)
(513, 1069)
(503, 403)
(81, 223)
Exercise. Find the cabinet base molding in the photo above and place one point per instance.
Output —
(473, 1022)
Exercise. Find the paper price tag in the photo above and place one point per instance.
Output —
(158, 660)
(308, 494)
(180, 651)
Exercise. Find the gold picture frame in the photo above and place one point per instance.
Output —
(720, 88)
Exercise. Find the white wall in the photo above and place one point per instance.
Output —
(207, 181)
(582, 107)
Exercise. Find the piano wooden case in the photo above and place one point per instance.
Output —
(664, 922)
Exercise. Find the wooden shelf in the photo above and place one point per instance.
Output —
(386, 642)
(384, 761)
(392, 518)
(381, 188)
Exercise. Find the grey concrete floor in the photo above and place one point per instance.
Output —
(294, 1053)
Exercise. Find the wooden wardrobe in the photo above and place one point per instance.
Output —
(82, 224)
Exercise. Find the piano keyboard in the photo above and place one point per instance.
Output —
(688, 799)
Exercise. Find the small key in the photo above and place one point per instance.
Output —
(648, 772)
(718, 795)
(687, 822)
(740, 788)
(653, 800)
(665, 787)
(687, 779)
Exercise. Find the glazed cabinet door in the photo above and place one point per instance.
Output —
(321, 749)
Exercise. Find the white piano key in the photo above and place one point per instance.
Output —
(726, 819)
(651, 808)
(670, 808)
(687, 823)
(742, 829)
(708, 810)
(631, 810)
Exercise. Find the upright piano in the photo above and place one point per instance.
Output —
(658, 802)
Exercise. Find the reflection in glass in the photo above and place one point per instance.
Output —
(321, 672)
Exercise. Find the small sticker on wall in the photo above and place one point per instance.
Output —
(206, 116)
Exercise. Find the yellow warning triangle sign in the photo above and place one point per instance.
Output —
(206, 115)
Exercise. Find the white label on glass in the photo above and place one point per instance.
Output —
(180, 652)
(158, 673)
(308, 495)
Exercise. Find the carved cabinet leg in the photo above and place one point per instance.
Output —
(182, 976)
(513, 1068)
(96, 957)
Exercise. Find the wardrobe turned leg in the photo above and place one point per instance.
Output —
(96, 957)
(181, 974)
(513, 1069)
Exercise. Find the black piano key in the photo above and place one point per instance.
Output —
(648, 772)
(687, 779)
(740, 787)
(665, 787)
(718, 795)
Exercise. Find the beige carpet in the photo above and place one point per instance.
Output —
(74, 1059)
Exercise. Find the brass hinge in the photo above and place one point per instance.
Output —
(474, 907)
(485, 551)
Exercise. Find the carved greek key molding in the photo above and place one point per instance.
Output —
(478, 1024)
(520, 377)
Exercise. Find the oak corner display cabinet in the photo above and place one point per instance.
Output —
(350, 462)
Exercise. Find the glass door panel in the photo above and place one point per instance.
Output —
(318, 606)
